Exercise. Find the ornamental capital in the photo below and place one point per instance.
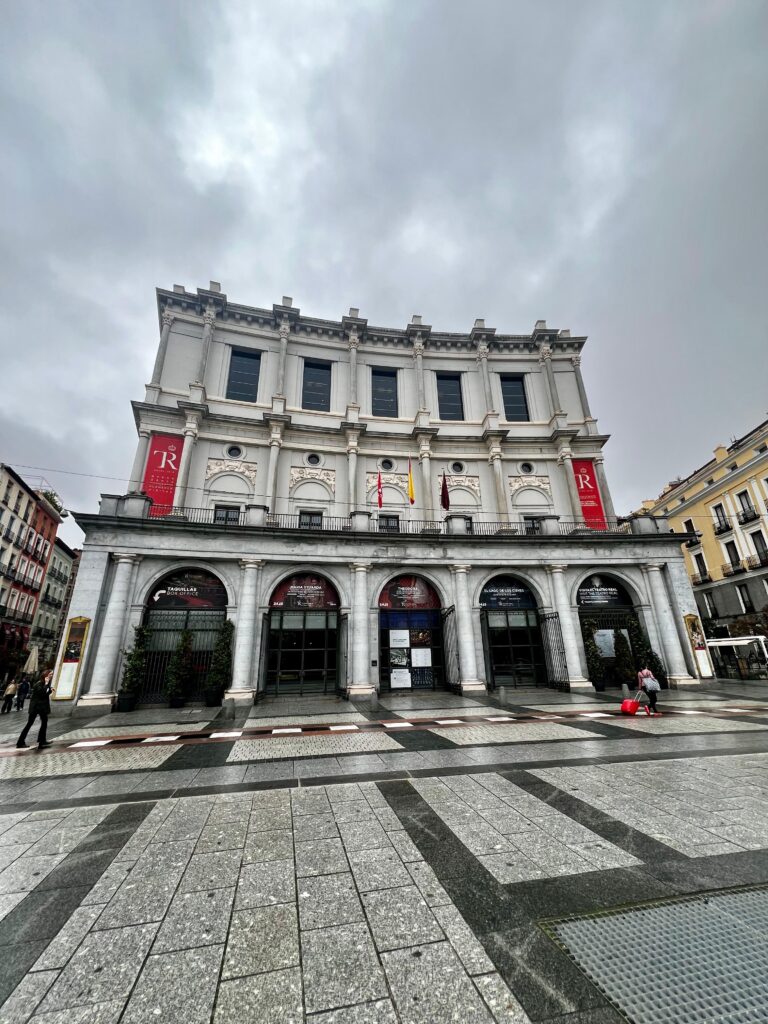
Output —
(209, 316)
(483, 350)
(168, 318)
(284, 330)
(545, 352)
(418, 349)
(576, 360)
(354, 339)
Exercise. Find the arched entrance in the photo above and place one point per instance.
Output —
(610, 629)
(192, 599)
(512, 634)
(411, 653)
(303, 637)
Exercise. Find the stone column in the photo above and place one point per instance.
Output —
(360, 684)
(242, 683)
(351, 473)
(425, 455)
(576, 363)
(284, 331)
(190, 437)
(677, 670)
(565, 459)
(497, 467)
(209, 319)
(482, 359)
(354, 343)
(418, 358)
(567, 627)
(545, 358)
(103, 678)
(275, 444)
(137, 473)
(157, 372)
(465, 633)
(602, 484)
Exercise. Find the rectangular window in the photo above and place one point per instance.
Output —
(513, 392)
(745, 501)
(8, 493)
(745, 597)
(383, 391)
(389, 524)
(531, 525)
(316, 393)
(309, 520)
(711, 606)
(468, 524)
(243, 382)
(449, 398)
(701, 565)
(226, 515)
(733, 553)
(688, 526)
(759, 541)
(720, 517)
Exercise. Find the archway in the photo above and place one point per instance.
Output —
(303, 636)
(411, 651)
(610, 628)
(512, 635)
(186, 599)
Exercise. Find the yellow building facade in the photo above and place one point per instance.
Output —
(725, 504)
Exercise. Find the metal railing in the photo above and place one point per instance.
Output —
(723, 526)
(612, 526)
(700, 577)
(748, 515)
(693, 542)
(757, 561)
(56, 574)
(202, 516)
(732, 568)
(53, 601)
(302, 521)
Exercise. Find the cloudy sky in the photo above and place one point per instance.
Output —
(599, 165)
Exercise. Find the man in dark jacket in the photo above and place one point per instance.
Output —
(22, 694)
(39, 704)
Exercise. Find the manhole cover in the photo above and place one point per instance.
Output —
(701, 960)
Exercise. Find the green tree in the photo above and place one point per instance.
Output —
(643, 654)
(595, 664)
(623, 665)
(220, 672)
(135, 662)
(178, 676)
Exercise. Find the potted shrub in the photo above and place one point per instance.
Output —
(644, 655)
(623, 666)
(595, 664)
(134, 668)
(220, 672)
(178, 676)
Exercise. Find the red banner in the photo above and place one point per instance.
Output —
(162, 470)
(589, 494)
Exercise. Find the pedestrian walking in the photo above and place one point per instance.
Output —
(22, 694)
(649, 684)
(39, 705)
(8, 694)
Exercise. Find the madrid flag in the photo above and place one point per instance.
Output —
(379, 491)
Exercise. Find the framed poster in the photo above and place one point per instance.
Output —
(399, 638)
(65, 686)
(398, 657)
(421, 657)
(400, 679)
(699, 646)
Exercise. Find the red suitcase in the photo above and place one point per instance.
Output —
(630, 707)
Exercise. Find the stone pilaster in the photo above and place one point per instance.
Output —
(190, 439)
(360, 683)
(465, 633)
(209, 320)
(104, 683)
(139, 462)
(284, 330)
(568, 625)
(242, 665)
(677, 670)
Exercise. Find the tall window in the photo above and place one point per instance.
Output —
(688, 524)
(747, 604)
(449, 399)
(513, 392)
(243, 383)
(383, 391)
(720, 517)
(733, 553)
(759, 541)
(701, 565)
(745, 501)
(711, 606)
(316, 393)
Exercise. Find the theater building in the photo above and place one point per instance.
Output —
(375, 509)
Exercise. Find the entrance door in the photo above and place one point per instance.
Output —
(303, 637)
(411, 649)
(512, 634)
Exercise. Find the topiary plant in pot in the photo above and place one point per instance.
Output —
(623, 667)
(644, 655)
(134, 667)
(595, 665)
(220, 672)
(178, 676)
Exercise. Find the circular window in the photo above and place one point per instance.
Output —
(313, 459)
(457, 467)
(526, 467)
(387, 464)
(234, 451)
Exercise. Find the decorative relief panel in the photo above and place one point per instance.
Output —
(542, 482)
(470, 483)
(245, 469)
(392, 479)
(325, 476)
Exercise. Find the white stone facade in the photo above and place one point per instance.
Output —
(266, 489)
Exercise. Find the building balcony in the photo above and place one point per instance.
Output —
(697, 578)
(723, 526)
(733, 568)
(13, 615)
(54, 602)
(758, 561)
(694, 542)
(748, 515)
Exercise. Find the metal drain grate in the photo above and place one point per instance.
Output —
(697, 961)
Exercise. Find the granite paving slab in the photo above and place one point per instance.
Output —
(379, 1012)
(320, 857)
(188, 999)
(340, 968)
(263, 939)
(265, 846)
(378, 869)
(273, 998)
(326, 900)
(400, 917)
(199, 918)
(429, 984)
(212, 870)
(261, 885)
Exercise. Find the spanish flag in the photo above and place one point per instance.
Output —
(411, 492)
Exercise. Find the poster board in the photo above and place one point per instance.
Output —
(698, 644)
(65, 686)
(400, 679)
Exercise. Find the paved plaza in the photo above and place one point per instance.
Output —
(421, 859)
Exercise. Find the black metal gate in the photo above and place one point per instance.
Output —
(554, 651)
(451, 649)
(165, 629)
(513, 647)
(604, 622)
(302, 651)
(342, 682)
